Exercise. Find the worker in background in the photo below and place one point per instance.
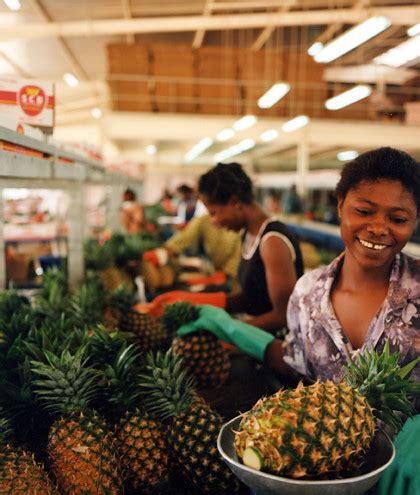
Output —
(200, 236)
(271, 260)
(132, 213)
(187, 203)
(291, 202)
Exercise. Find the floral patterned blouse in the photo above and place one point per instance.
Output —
(317, 346)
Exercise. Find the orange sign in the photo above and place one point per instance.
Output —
(32, 100)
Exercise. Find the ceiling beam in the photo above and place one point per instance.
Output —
(398, 15)
(268, 31)
(127, 15)
(332, 29)
(77, 69)
(199, 35)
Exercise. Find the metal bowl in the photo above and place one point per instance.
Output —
(379, 457)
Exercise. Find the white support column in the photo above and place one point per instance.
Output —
(116, 190)
(2, 246)
(77, 221)
(302, 163)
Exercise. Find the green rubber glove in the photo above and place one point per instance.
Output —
(251, 340)
(403, 475)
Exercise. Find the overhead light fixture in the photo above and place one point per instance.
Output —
(315, 48)
(244, 145)
(245, 122)
(269, 135)
(96, 113)
(352, 38)
(71, 79)
(225, 135)
(13, 4)
(345, 156)
(404, 53)
(273, 95)
(295, 124)
(151, 149)
(199, 148)
(348, 97)
(414, 30)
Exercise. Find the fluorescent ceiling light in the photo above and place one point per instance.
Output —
(198, 149)
(71, 79)
(348, 97)
(244, 145)
(414, 30)
(295, 124)
(245, 122)
(273, 95)
(352, 38)
(225, 134)
(151, 149)
(12, 4)
(402, 54)
(96, 113)
(345, 156)
(315, 48)
(269, 135)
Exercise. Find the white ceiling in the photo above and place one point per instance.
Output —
(49, 37)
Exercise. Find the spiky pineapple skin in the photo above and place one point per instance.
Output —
(112, 278)
(143, 451)
(193, 439)
(309, 431)
(21, 475)
(83, 457)
(149, 333)
(205, 357)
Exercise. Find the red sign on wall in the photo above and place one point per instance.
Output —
(27, 102)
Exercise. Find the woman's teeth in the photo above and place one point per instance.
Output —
(369, 245)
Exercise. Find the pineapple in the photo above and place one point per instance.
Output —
(193, 426)
(87, 302)
(326, 427)
(147, 330)
(140, 440)
(101, 259)
(19, 472)
(167, 276)
(151, 276)
(201, 352)
(80, 446)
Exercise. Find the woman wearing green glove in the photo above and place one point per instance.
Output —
(366, 296)
(271, 260)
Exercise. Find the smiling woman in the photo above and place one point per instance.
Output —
(371, 292)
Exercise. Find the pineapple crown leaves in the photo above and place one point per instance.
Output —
(96, 257)
(86, 304)
(104, 346)
(384, 383)
(122, 298)
(66, 383)
(11, 303)
(168, 388)
(120, 381)
(178, 314)
(6, 430)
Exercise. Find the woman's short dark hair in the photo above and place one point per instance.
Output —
(224, 181)
(381, 164)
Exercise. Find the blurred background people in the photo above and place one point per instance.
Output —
(132, 213)
(291, 202)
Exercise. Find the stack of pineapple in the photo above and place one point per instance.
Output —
(75, 393)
